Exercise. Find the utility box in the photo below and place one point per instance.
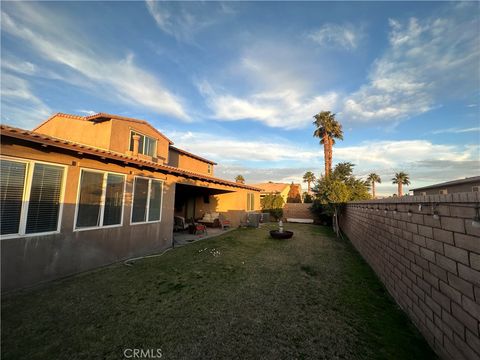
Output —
(265, 217)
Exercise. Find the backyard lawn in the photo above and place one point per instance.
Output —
(240, 295)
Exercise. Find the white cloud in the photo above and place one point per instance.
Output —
(275, 87)
(121, 78)
(427, 61)
(20, 106)
(266, 159)
(456, 130)
(184, 22)
(345, 36)
(287, 109)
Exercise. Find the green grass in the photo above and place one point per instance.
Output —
(241, 295)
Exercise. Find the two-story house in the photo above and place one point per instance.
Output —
(81, 192)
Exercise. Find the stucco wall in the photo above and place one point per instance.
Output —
(29, 260)
(183, 161)
(431, 267)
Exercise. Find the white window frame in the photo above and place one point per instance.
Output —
(102, 200)
(148, 201)
(27, 186)
(145, 136)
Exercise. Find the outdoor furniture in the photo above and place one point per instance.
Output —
(224, 223)
(179, 223)
(194, 228)
(210, 219)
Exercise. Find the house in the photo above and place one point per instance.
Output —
(83, 192)
(468, 184)
(288, 192)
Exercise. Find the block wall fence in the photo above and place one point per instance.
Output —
(426, 252)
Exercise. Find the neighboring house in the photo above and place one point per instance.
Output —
(468, 184)
(286, 191)
(82, 192)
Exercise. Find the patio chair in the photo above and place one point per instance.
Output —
(195, 227)
(179, 223)
(224, 223)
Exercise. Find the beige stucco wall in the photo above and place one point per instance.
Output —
(78, 130)
(183, 161)
(26, 261)
(120, 138)
(112, 135)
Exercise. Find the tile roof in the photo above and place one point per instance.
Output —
(46, 140)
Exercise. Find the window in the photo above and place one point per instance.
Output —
(100, 199)
(30, 201)
(250, 202)
(147, 200)
(443, 192)
(209, 168)
(146, 145)
(475, 188)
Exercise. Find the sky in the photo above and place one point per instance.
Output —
(239, 82)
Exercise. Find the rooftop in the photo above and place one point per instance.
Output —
(46, 140)
(450, 183)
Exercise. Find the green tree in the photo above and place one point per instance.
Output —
(372, 179)
(273, 204)
(333, 191)
(401, 179)
(343, 171)
(307, 198)
(309, 177)
(327, 130)
(240, 179)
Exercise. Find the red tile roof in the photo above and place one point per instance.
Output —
(47, 140)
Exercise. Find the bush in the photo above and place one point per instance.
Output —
(277, 214)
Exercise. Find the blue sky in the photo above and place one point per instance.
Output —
(239, 82)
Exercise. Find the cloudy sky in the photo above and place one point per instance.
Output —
(239, 82)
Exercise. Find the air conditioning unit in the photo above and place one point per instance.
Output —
(253, 219)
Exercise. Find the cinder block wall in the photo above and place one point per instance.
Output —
(298, 211)
(430, 266)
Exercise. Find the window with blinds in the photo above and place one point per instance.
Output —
(12, 180)
(44, 202)
(100, 199)
(42, 184)
(147, 200)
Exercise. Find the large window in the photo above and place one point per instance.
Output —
(30, 197)
(100, 199)
(147, 200)
(250, 202)
(146, 145)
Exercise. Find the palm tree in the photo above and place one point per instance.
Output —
(328, 129)
(372, 179)
(401, 179)
(240, 179)
(309, 177)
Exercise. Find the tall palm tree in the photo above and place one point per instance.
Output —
(328, 129)
(309, 177)
(401, 179)
(372, 179)
(240, 179)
